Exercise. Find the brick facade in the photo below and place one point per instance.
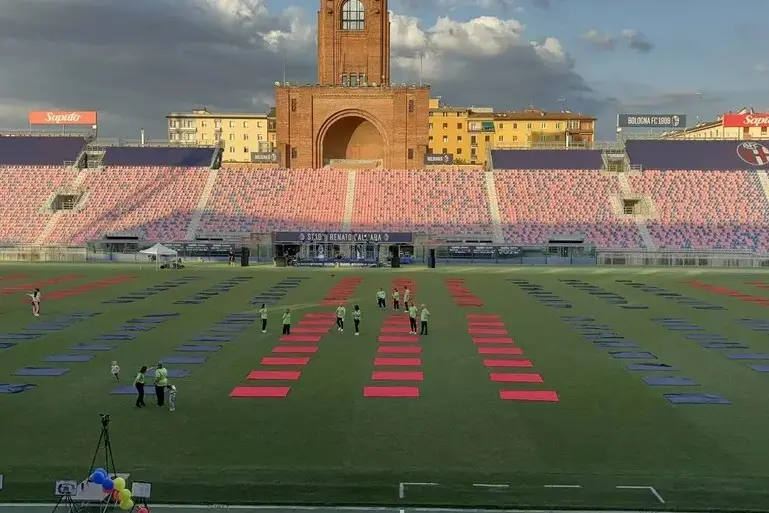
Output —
(353, 113)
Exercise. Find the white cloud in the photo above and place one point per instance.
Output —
(604, 41)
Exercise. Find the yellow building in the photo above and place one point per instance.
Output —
(743, 125)
(469, 132)
(241, 133)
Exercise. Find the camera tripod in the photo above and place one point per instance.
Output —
(67, 497)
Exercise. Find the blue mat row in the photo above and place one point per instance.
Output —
(601, 336)
(213, 291)
(678, 298)
(41, 329)
(151, 291)
(274, 294)
(537, 292)
(609, 297)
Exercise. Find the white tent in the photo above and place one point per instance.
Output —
(159, 251)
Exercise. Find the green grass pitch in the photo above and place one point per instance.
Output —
(604, 444)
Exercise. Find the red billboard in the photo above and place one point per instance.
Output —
(65, 117)
(748, 120)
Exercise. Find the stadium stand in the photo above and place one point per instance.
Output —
(706, 209)
(39, 151)
(442, 203)
(539, 205)
(523, 203)
(546, 159)
(158, 156)
(270, 200)
(156, 202)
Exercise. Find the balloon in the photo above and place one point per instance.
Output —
(116, 495)
(100, 471)
(98, 477)
(119, 483)
(142, 509)
(125, 495)
(126, 505)
(108, 484)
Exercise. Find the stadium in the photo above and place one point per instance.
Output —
(596, 311)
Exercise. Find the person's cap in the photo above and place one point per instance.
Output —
(160, 364)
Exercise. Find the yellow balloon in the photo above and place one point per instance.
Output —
(126, 505)
(125, 495)
(119, 483)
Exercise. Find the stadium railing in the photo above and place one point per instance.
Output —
(681, 258)
(36, 253)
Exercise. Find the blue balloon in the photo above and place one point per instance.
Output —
(100, 471)
(107, 484)
(98, 477)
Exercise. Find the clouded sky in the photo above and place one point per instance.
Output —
(136, 61)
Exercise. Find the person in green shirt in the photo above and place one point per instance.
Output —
(287, 322)
(413, 310)
(423, 316)
(341, 311)
(356, 319)
(406, 298)
(381, 299)
(263, 316)
(396, 300)
(139, 384)
(161, 382)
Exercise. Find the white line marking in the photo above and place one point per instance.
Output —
(563, 486)
(650, 488)
(402, 487)
(485, 485)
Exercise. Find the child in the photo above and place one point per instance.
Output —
(381, 299)
(115, 369)
(406, 299)
(171, 397)
(356, 319)
(341, 311)
(35, 302)
(287, 322)
(396, 300)
(263, 315)
(424, 316)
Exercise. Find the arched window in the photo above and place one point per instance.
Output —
(353, 15)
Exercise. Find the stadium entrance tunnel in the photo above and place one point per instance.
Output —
(352, 138)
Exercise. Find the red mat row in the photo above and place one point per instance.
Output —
(461, 294)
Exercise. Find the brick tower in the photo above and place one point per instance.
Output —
(353, 116)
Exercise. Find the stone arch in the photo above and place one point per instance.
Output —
(352, 134)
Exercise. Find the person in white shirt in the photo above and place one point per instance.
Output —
(381, 299)
(341, 311)
(35, 302)
(115, 370)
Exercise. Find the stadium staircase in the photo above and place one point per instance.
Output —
(640, 223)
(349, 201)
(496, 218)
(200, 208)
(763, 179)
(91, 157)
(53, 221)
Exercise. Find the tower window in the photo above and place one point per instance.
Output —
(353, 15)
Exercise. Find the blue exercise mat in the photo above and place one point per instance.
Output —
(759, 368)
(228, 329)
(747, 356)
(635, 307)
(68, 358)
(670, 320)
(163, 315)
(93, 347)
(602, 336)
(6, 345)
(188, 302)
(181, 360)
(48, 327)
(573, 318)
(192, 348)
(172, 373)
(722, 345)
(649, 366)
(118, 301)
(147, 320)
(632, 355)
(212, 338)
(115, 336)
(20, 336)
(6, 388)
(710, 307)
(706, 336)
(683, 398)
(136, 327)
(127, 390)
(617, 345)
(683, 327)
(42, 371)
(670, 381)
